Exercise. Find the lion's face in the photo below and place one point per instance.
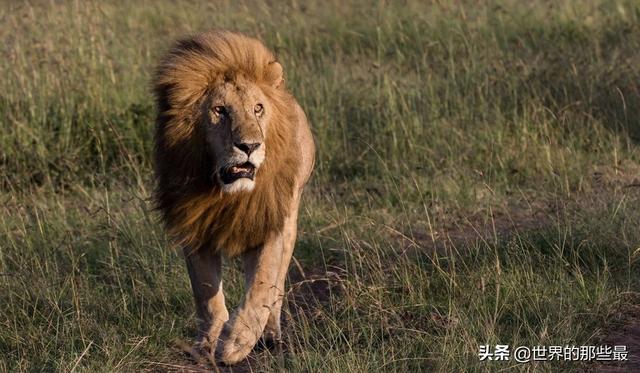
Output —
(235, 124)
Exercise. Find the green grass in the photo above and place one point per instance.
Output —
(472, 184)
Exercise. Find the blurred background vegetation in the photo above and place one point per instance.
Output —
(476, 180)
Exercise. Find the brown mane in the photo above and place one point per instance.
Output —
(196, 212)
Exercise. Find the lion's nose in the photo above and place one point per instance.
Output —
(248, 148)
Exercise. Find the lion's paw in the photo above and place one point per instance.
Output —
(237, 346)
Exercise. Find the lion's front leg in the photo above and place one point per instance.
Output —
(273, 332)
(205, 272)
(261, 268)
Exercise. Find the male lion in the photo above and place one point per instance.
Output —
(233, 152)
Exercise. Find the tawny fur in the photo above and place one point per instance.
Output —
(195, 210)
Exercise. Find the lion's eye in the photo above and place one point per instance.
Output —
(258, 108)
(219, 110)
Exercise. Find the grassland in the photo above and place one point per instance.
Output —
(475, 184)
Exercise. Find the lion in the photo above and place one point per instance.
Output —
(233, 152)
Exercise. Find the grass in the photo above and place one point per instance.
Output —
(475, 181)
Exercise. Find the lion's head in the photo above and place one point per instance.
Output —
(235, 122)
(225, 141)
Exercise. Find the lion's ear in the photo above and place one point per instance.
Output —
(275, 74)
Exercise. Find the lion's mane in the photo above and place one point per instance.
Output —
(195, 210)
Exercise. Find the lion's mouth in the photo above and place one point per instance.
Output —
(230, 174)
